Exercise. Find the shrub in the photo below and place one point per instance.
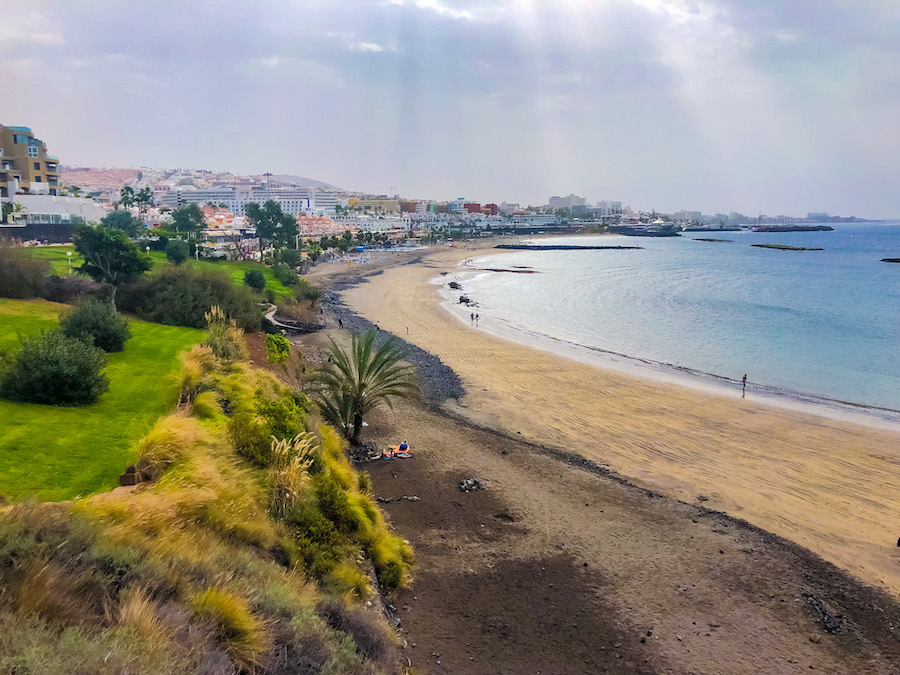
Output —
(223, 336)
(177, 251)
(21, 274)
(255, 279)
(289, 473)
(181, 296)
(291, 257)
(99, 321)
(285, 274)
(242, 633)
(68, 289)
(166, 443)
(278, 348)
(252, 429)
(53, 368)
(270, 296)
(313, 294)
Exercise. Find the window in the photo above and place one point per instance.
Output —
(37, 179)
(37, 166)
(32, 151)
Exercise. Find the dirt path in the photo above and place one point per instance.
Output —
(554, 569)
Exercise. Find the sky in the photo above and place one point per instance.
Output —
(729, 105)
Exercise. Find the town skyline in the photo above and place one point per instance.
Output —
(667, 105)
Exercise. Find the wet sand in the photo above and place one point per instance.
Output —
(829, 485)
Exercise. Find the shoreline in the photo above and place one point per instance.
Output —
(824, 484)
(711, 383)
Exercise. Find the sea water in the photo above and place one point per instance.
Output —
(806, 323)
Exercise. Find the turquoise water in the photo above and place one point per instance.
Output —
(821, 323)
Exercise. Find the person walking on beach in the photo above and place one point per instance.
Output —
(476, 321)
(472, 319)
(341, 323)
(744, 386)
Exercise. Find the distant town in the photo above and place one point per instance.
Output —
(42, 199)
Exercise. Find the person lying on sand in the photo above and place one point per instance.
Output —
(397, 451)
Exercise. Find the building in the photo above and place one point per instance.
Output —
(293, 200)
(570, 202)
(25, 166)
(688, 216)
(378, 205)
(51, 218)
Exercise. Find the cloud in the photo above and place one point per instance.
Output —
(445, 10)
(741, 105)
(366, 47)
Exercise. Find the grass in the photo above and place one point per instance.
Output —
(60, 266)
(191, 572)
(55, 453)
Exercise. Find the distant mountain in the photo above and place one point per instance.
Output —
(300, 181)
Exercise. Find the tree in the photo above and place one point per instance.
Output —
(12, 211)
(187, 218)
(144, 198)
(126, 196)
(272, 224)
(109, 256)
(121, 220)
(177, 251)
(358, 380)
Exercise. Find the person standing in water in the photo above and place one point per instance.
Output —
(744, 386)
(476, 321)
(472, 319)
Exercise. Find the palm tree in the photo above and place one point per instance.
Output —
(356, 381)
(12, 211)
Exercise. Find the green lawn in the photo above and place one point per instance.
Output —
(55, 453)
(60, 266)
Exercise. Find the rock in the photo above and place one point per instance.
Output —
(815, 638)
(470, 485)
(455, 286)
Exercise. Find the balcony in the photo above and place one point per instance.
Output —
(52, 169)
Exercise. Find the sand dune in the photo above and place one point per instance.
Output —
(829, 485)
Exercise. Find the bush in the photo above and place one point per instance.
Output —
(21, 274)
(255, 279)
(224, 338)
(291, 257)
(56, 369)
(99, 322)
(177, 251)
(242, 634)
(68, 289)
(270, 296)
(278, 348)
(285, 274)
(181, 296)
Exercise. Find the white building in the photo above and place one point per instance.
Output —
(569, 202)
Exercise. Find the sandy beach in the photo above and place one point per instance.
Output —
(827, 484)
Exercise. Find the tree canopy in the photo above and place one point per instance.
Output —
(121, 220)
(272, 224)
(109, 256)
(187, 218)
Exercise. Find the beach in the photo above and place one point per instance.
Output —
(825, 483)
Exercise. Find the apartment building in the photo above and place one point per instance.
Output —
(25, 166)
(293, 200)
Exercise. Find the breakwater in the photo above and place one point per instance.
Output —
(562, 247)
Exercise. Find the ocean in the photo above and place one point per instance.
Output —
(805, 324)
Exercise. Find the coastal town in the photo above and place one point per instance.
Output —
(43, 198)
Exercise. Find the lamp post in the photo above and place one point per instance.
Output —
(69, 257)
